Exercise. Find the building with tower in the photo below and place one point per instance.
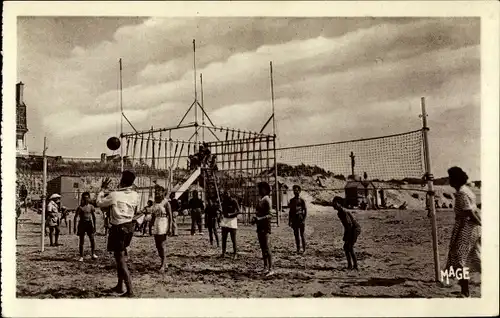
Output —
(21, 122)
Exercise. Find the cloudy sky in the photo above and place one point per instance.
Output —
(335, 79)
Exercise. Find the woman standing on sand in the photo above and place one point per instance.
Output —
(465, 240)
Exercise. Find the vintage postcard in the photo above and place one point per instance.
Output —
(250, 159)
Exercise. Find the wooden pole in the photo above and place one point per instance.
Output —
(352, 156)
(170, 176)
(159, 153)
(126, 151)
(121, 118)
(278, 207)
(203, 108)
(147, 148)
(44, 194)
(166, 154)
(153, 158)
(430, 186)
(195, 100)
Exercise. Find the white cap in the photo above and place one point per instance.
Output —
(54, 196)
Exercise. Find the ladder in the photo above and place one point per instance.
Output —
(211, 186)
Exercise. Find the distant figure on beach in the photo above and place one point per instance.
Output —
(64, 215)
(382, 199)
(18, 213)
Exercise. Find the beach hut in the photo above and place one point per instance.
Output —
(69, 187)
(358, 193)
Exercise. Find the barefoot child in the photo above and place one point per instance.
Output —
(211, 216)
(263, 221)
(85, 213)
(351, 232)
(297, 218)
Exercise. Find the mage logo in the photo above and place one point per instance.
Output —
(459, 273)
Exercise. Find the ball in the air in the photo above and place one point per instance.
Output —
(113, 143)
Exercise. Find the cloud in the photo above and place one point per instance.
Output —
(333, 79)
(61, 124)
(250, 116)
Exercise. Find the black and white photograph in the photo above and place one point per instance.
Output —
(251, 156)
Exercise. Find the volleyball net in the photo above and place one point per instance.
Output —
(391, 157)
(380, 172)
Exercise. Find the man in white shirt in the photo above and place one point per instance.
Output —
(123, 204)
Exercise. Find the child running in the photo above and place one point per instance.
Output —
(85, 212)
(162, 224)
(351, 232)
(211, 217)
(297, 218)
(263, 221)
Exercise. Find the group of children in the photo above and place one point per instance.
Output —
(296, 220)
(121, 208)
(157, 219)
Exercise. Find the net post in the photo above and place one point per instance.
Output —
(430, 187)
(278, 196)
(277, 188)
(121, 118)
(44, 194)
